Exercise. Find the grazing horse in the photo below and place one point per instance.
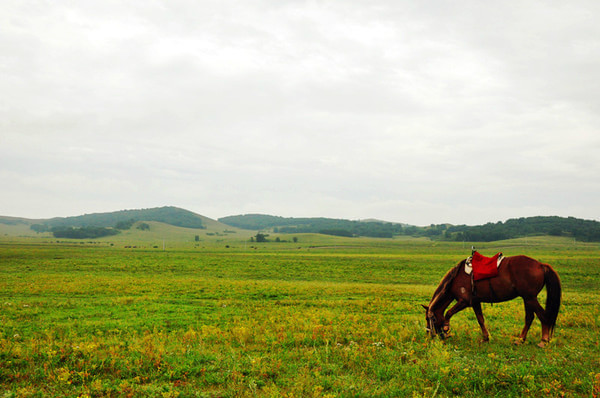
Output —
(518, 276)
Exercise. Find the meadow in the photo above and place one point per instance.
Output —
(322, 317)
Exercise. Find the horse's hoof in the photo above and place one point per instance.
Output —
(485, 340)
(543, 344)
(519, 341)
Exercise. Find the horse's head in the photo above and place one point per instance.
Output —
(435, 323)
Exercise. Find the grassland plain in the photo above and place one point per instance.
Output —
(322, 317)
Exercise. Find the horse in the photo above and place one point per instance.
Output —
(518, 276)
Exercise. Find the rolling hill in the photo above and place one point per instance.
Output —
(327, 226)
(144, 224)
(175, 221)
(584, 230)
(168, 215)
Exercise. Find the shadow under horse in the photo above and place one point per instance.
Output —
(518, 276)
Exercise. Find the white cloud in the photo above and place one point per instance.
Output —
(420, 113)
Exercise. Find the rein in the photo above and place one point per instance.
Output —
(432, 328)
(431, 325)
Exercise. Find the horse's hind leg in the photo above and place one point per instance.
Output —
(480, 320)
(534, 305)
(529, 316)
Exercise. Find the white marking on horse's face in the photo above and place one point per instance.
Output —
(463, 290)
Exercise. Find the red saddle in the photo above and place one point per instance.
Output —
(484, 267)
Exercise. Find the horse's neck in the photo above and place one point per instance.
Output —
(442, 293)
(439, 303)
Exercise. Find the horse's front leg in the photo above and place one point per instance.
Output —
(459, 306)
(479, 315)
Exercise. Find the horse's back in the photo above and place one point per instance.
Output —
(522, 260)
(526, 274)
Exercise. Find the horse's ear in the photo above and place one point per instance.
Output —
(426, 307)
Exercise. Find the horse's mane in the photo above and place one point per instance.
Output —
(442, 289)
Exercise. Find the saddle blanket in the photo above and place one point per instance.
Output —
(483, 267)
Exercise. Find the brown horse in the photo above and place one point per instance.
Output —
(518, 276)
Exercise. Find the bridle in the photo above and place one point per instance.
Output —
(432, 329)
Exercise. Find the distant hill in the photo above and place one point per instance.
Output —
(584, 230)
(328, 226)
(97, 225)
(106, 224)
(15, 220)
(168, 215)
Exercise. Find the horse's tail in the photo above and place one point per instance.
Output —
(553, 296)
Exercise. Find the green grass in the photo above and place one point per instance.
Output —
(325, 316)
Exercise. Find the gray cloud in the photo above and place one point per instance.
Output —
(421, 113)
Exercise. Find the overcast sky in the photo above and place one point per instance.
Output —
(420, 112)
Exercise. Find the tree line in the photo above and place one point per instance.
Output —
(88, 231)
(583, 230)
(327, 226)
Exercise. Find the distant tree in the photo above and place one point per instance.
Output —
(83, 232)
(556, 231)
(143, 226)
(295, 239)
(197, 238)
(336, 232)
(260, 237)
(123, 225)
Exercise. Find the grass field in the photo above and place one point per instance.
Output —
(320, 317)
